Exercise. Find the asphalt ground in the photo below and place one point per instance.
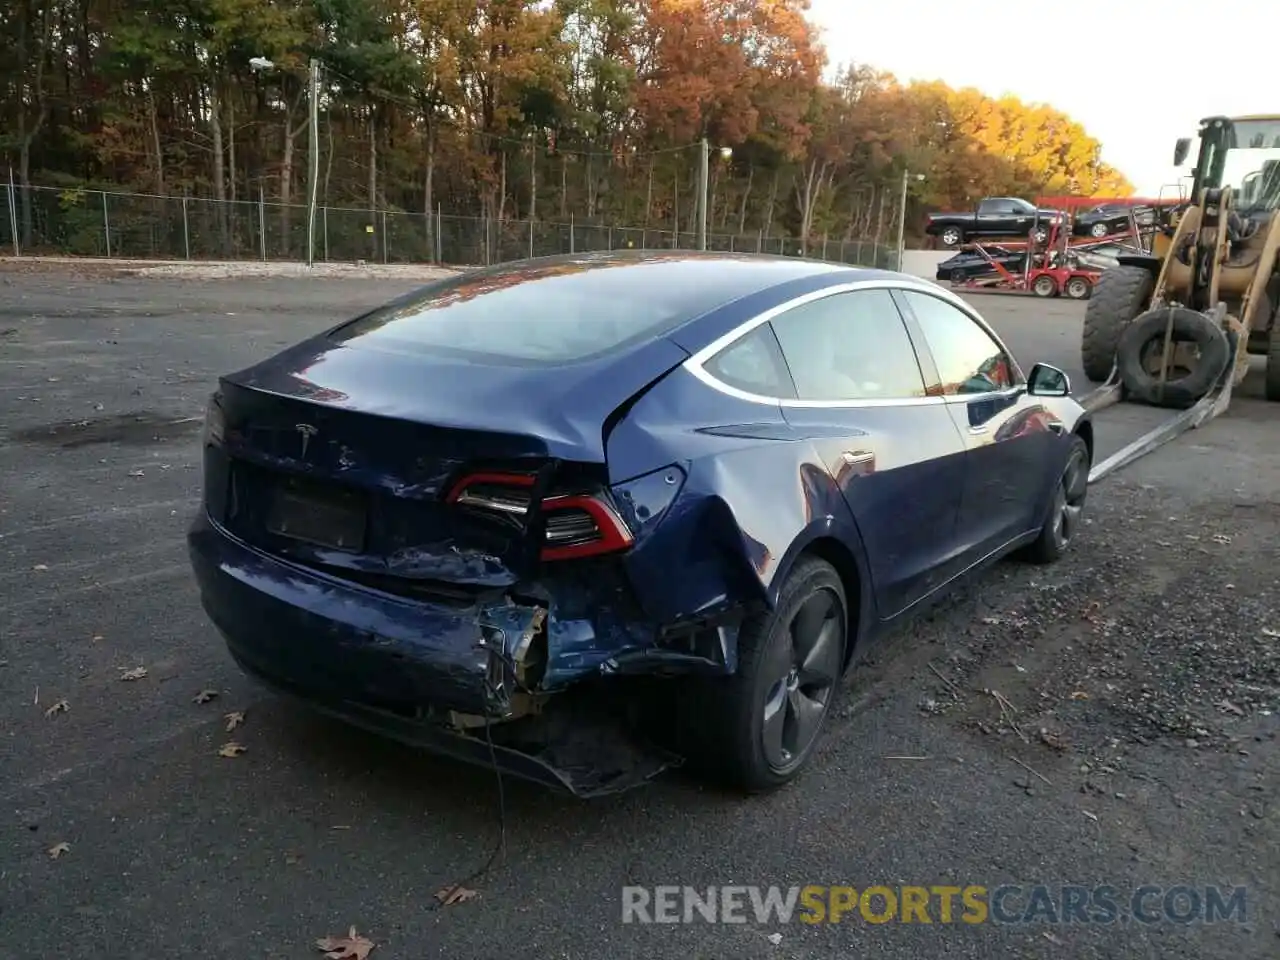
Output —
(1138, 682)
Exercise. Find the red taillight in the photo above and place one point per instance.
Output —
(577, 525)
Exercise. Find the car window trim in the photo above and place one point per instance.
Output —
(1019, 384)
(695, 363)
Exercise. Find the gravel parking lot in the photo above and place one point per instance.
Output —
(1110, 720)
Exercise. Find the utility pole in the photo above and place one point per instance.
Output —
(313, 97)
(704, 175)
(902, 218)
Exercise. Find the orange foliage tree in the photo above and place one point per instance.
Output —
(515, 109)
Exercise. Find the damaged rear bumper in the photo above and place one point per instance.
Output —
(592, 759)
(403, 667)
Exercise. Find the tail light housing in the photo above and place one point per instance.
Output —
(577, 524)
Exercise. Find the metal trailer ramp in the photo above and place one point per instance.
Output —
(1208, 407)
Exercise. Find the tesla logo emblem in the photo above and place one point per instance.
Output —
(307, 431)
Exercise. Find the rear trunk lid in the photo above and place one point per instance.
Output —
(343, 457)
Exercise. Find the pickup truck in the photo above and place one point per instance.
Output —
(994, 217)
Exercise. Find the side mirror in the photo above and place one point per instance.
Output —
(1180, 151)
(1047, 381)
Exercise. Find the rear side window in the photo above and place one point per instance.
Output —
(754, 364)
(559, 313)
(850, 346)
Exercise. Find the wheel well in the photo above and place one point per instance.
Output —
(1085, 431)
(837, 554)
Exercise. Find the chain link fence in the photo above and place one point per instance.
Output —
(48, 221)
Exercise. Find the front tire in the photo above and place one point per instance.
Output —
(1120, 294)
(1066, 509)
(759, 726)
(952, 236)
(1099, 230)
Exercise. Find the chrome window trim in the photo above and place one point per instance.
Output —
(695, 363)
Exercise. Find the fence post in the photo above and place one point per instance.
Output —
(439, 241)
(324, 214)
(760, 240)
(186, 232)
(384, 236)
(262, 224)
(13, 215)
(571, 250)
(824, 246)
(531, 238)
(611, 236)
(106, 222)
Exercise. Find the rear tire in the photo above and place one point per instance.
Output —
(1120, 294)
(756, 730)
(1066, 509)
(1099, 230)
(1078, 288)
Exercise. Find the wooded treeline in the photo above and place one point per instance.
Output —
(509, 109)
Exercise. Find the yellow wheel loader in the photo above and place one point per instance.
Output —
(1170, 326)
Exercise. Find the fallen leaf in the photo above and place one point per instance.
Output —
(204, 696)
(60, 707)
(97, 637)
(58, 849)
(351, 947)
(1091, 816)
(455, 894)
(1079, 695)
(1269, 632)
(40, 566)
(231, 749)
(234, 719)
(1052, 740)
(137, 673)
(136, 473)
(292, 858)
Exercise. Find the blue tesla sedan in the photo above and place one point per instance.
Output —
(587, 517)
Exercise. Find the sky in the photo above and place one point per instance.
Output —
(1103, 63)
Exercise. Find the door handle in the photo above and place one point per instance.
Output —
(852, 457)
(979, 430)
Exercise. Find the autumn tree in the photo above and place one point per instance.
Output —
(533, 109)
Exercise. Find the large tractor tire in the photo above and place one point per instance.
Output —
(1120, 294)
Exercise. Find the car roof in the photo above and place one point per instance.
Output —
(586, 306)
(701, 280)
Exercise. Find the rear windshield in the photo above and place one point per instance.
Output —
(541, 314)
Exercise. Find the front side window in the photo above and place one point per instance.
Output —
(849, 346)
(968, 360)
